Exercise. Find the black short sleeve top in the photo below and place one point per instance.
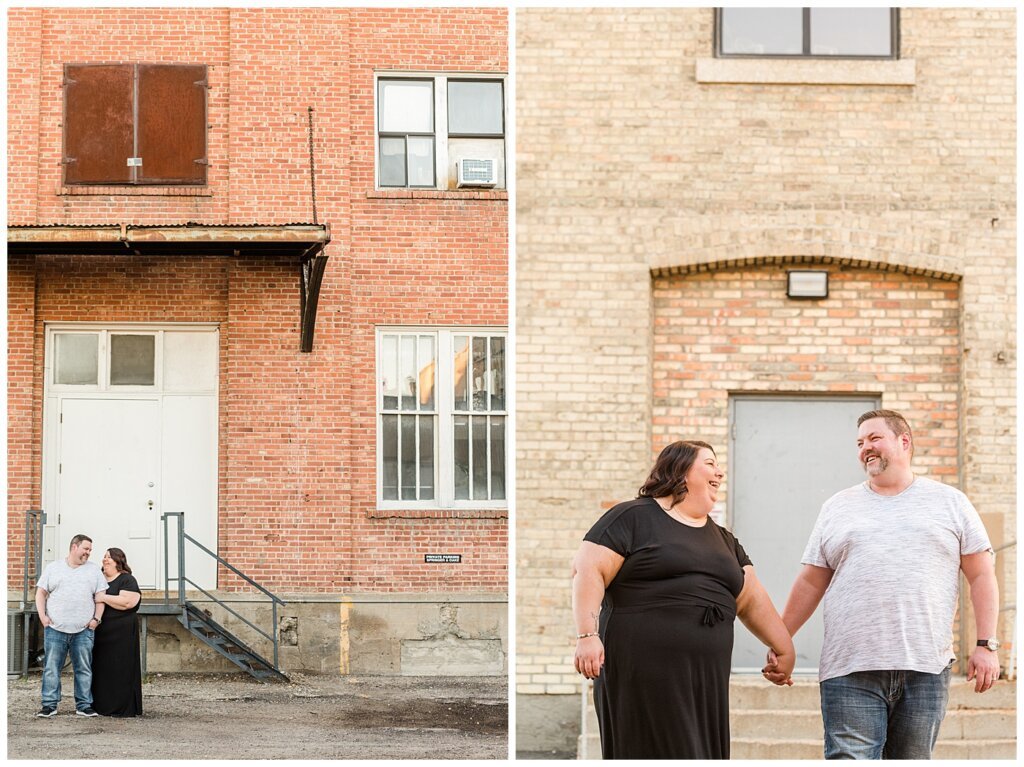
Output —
(666, 561)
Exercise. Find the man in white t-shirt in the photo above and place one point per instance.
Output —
(66, 603)
(886, 556)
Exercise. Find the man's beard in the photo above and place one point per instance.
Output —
(876, 468)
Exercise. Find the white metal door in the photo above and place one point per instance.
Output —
(129, 438)
(788, 456)
(109, 478)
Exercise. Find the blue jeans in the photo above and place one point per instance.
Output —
(883, 714)
(57, 645)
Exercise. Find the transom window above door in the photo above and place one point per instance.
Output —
(440, 131)
(132, 360)
(871, 33)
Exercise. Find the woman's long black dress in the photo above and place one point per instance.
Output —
(116, 664)
(667, 627)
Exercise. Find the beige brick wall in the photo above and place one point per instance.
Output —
(630, 171)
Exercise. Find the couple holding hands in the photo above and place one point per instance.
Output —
(89, 612)
(657, 586)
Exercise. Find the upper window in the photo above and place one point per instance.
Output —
(440, 132)
(808, 32)
(134, 124)
(107, 360)
(442, 413)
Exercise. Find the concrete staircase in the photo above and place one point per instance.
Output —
(769, 722)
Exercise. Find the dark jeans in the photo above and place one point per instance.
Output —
(883, 714)
(57, 645)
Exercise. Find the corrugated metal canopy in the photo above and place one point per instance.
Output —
(305, 242)
(191, 239)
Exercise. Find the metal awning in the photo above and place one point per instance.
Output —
(305, 242)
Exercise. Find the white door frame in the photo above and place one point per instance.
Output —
(54, 394)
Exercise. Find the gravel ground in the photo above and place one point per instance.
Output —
(230, 716)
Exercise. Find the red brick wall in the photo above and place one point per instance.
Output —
(303, 424)
(879, 332)
(23, 410)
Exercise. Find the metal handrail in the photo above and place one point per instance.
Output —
(182, 579)
(224, 604)
(234, 569)
(34, 520)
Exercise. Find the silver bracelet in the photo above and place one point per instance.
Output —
(584, 636)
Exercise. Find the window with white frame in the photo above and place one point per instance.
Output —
(442, 417)
(427, 125)
(131, 359)
(871, 33)
(104, 359)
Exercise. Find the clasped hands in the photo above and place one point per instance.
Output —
(779, 670)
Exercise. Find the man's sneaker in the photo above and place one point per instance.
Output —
(47, 712)
(87, 711)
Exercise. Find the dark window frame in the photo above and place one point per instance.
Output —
(134, 181)
(894, 42)
(501, 84)
(432, 135)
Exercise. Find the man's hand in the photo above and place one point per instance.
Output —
(777, 672)
(983, 667)
(45, 619)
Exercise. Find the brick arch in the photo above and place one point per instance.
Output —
(720, 331)
(920, 252)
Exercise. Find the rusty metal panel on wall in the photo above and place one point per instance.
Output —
(172, 124)
(98, 123)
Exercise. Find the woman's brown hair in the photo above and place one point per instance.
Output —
(668, 477)
(120, 560)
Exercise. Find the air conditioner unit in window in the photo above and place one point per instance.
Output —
(477, 173)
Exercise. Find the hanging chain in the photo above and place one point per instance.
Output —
(312, 167)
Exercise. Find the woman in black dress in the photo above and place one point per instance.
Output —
(657, 586)
(116, 664)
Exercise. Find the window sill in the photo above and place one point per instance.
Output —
(439, 513)
(437, 194)
(806, 71)
(134, 191)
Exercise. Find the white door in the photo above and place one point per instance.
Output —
(130, 433)
(109, 479)
(788, 456)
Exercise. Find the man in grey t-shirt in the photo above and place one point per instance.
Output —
(886, 556)
(66, 603)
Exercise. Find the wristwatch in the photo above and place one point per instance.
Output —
(989, 644)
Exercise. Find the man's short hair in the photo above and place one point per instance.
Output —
(895, 421)
(77, 540)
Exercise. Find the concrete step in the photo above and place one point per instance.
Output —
(753, 692)
(749, 692)
(813, 748)
(771, 748)
(959, 724)
(975, 727)
(962, 695)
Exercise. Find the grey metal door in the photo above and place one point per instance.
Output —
(788, 455)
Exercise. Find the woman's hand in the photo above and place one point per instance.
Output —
(589, 657)
(779, 668)
(101, 598)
